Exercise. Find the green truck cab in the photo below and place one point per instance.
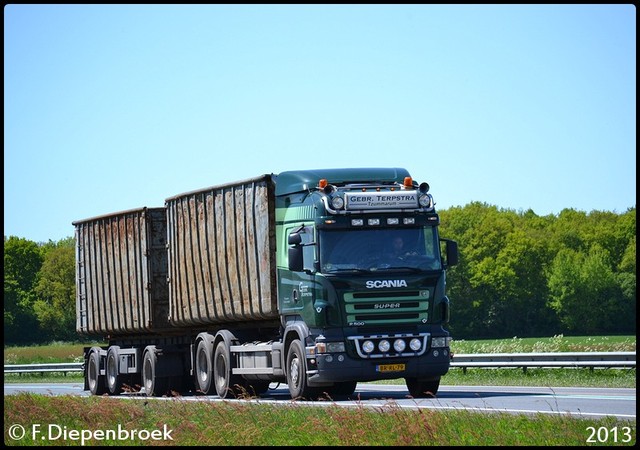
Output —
(361, 278)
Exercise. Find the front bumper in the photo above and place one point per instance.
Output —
(326, 369)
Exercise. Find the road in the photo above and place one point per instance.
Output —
(578, 402)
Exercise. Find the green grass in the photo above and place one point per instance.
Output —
(557, 343)
(225, 424)
(56, 352)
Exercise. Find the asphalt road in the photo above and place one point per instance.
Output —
(577, 402)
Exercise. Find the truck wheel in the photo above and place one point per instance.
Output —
(204, 369)
(94, 379)
(227, 385)
(422, 388)
(153, 384)
(297, 373)
(114, 379)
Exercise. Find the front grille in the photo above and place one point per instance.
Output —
(373, 305)
(360, 295)
(387, 307)
(396, 316)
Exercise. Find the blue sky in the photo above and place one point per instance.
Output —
(114, 107)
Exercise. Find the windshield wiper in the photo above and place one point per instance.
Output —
(411, 268)
(354, 269)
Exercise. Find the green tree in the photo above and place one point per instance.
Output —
(521, 274)
(584, 291)
(22, 262)
(56, 292)
(625, 232)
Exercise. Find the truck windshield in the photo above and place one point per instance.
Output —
(379, 249)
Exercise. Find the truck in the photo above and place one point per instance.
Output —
(318, 279)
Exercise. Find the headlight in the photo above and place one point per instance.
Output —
(329, 347)
(367, 346)
(335, 347)
(384, 346)
(415, 344)
(425, 200)
(440, 342)
(399, 345)
(337, 202)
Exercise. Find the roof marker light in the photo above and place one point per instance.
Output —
(408, 182)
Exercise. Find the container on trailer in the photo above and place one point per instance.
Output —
(121, 273)
(222, 254)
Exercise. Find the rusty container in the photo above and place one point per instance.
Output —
(121, 273)
(222, 254)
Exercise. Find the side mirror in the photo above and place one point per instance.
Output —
(452, 252)
(445, 309)
(294, 239)
(295, 258)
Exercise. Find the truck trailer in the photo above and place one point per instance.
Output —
(319, 279)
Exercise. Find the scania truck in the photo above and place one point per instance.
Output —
(318, 279)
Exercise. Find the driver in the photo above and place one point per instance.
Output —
(398, 250)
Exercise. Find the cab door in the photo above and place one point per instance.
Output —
(297, 282)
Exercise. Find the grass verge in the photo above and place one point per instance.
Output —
(70, 420)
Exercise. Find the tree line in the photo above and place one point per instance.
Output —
(526, 275)
(519, 274)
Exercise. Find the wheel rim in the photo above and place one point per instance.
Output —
(93, 375)
(294, 370)
(221, 371)
(148, 374)
(112, 372)
(203, 368)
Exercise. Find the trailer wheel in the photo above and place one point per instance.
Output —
(94, 379)
(422, 388)
(114, 379)
(204, 368)
(227, 384)
(153, 384)
(297, 373)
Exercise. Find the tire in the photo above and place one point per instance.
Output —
(113, 377)
(227, 385)
(154, 386)
(422, 388)
(95, 381)
(204, 368)
(297, 373)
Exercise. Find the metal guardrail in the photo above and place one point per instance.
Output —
(545, 360)
(43, 368)
(464, 361)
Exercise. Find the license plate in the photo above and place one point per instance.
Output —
(390, 367)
